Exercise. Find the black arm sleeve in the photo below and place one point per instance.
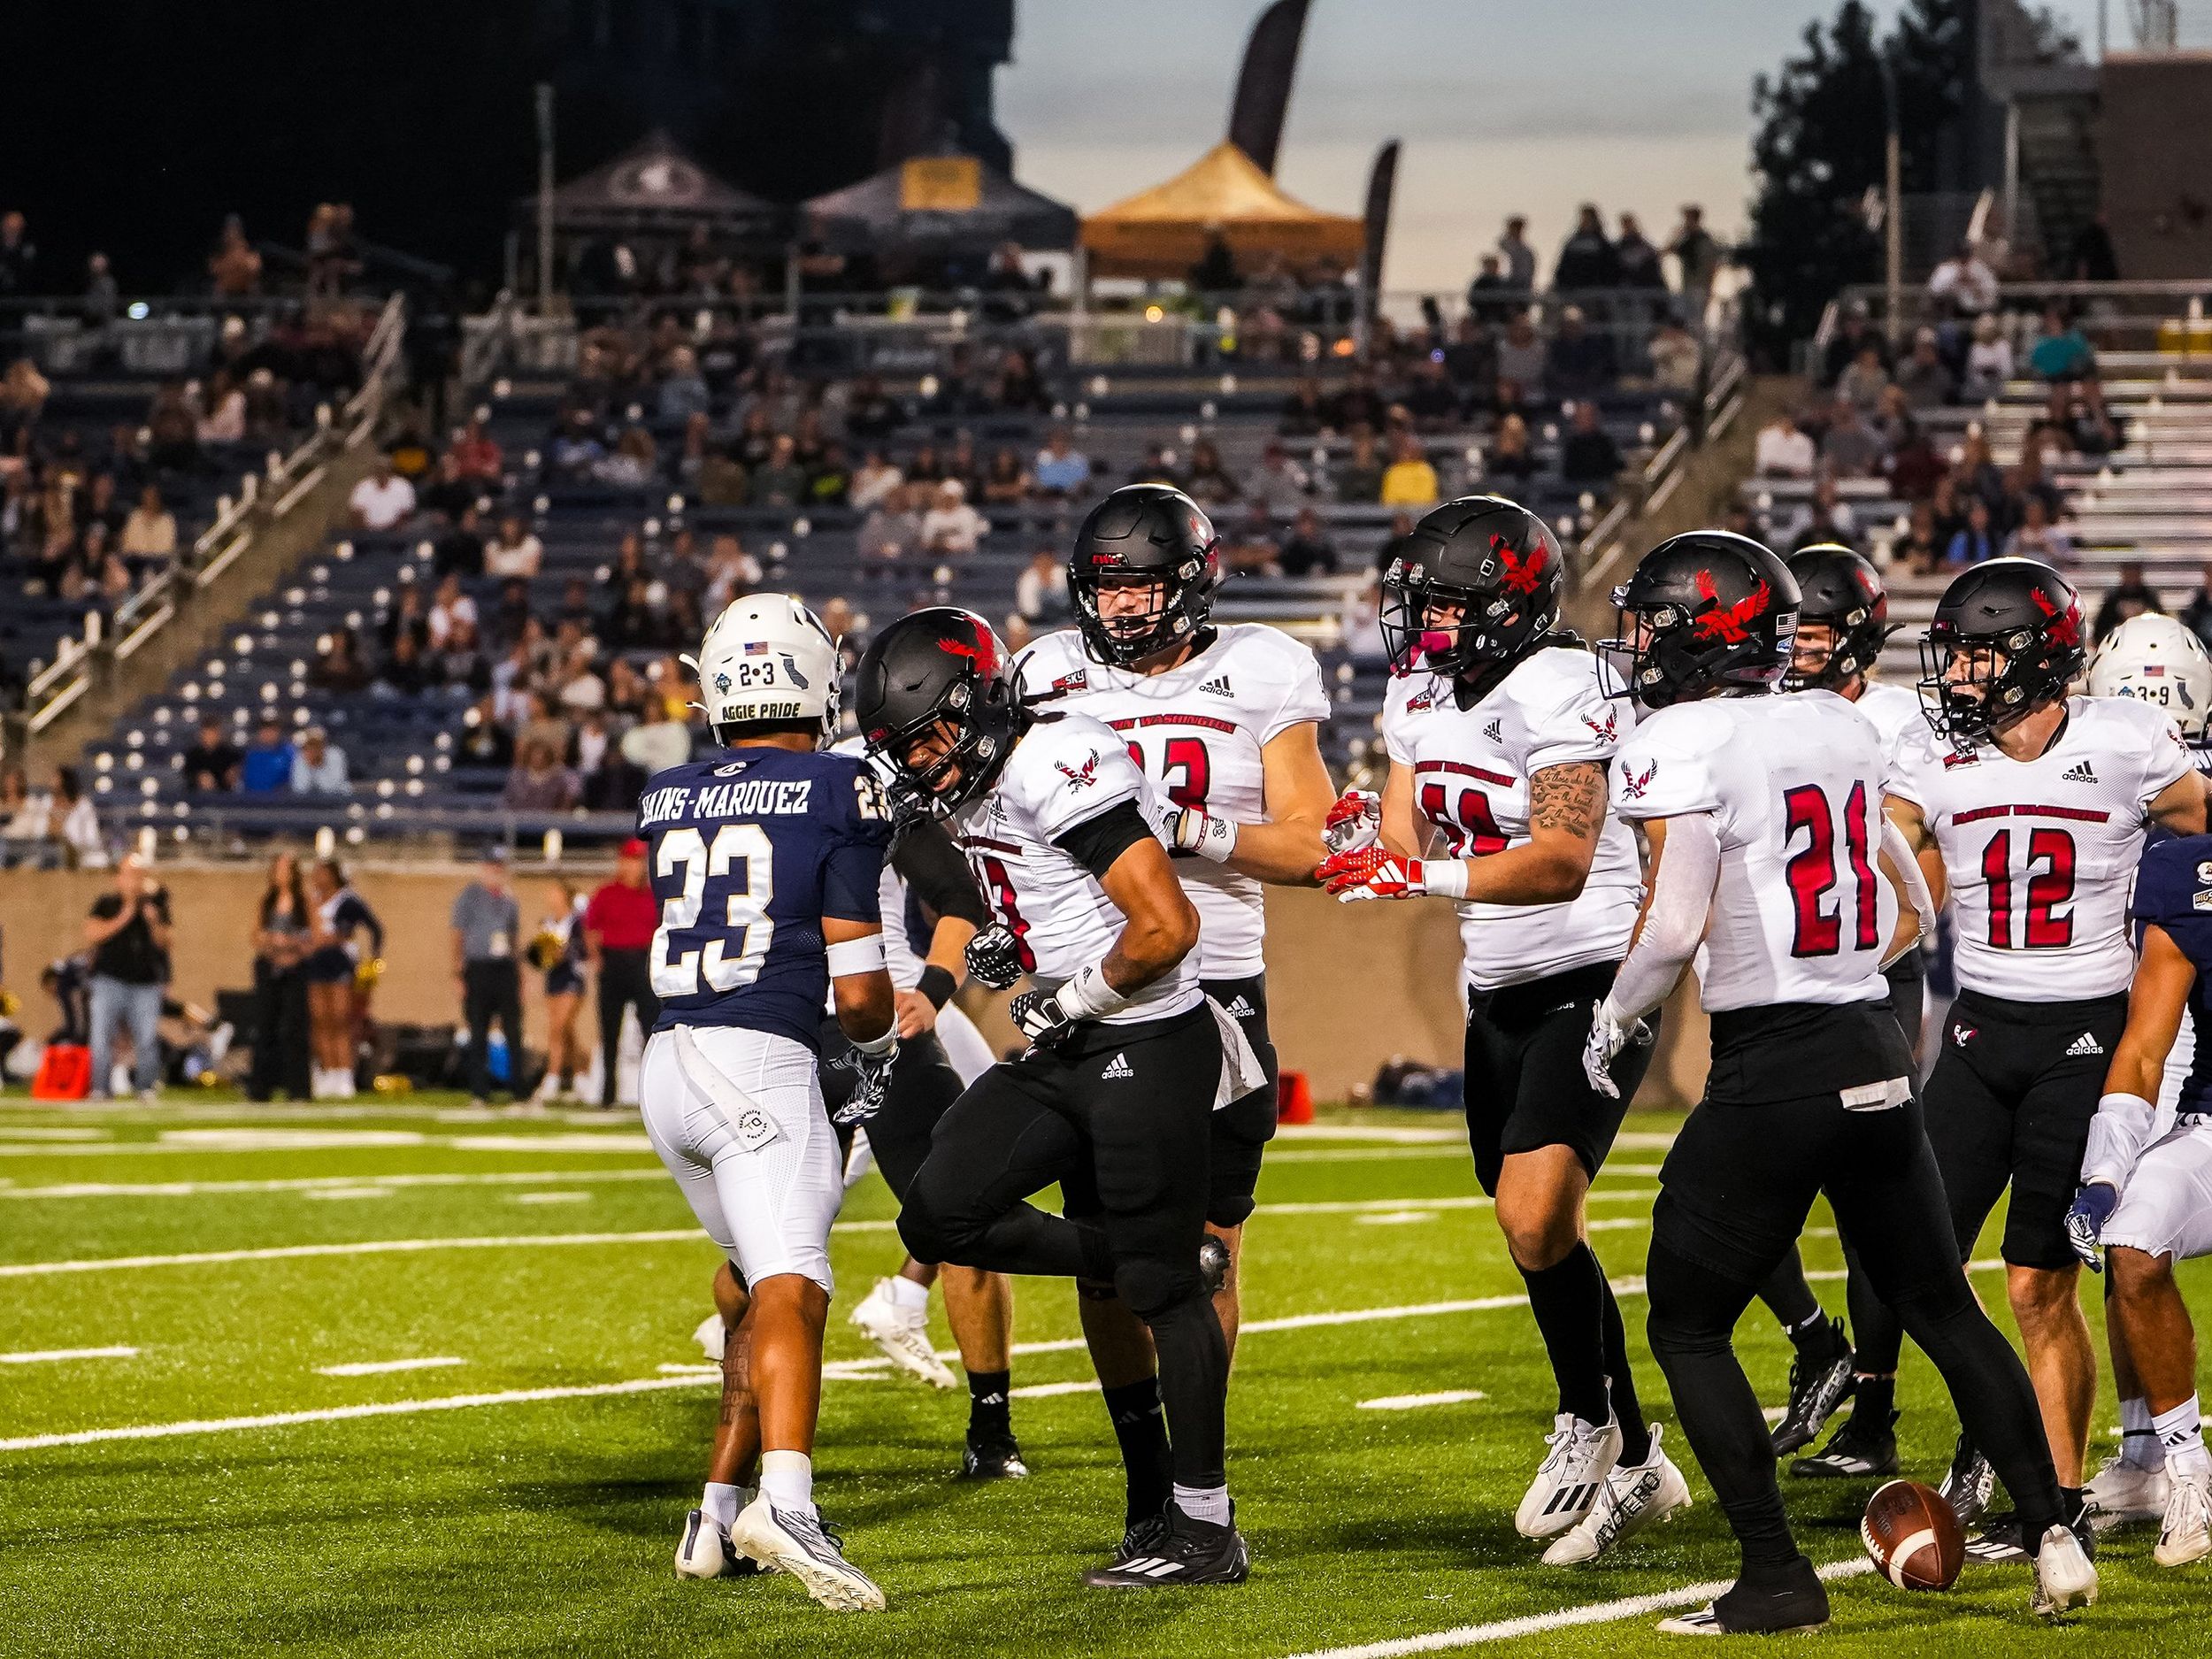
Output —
(1096, 842)
(939, 876)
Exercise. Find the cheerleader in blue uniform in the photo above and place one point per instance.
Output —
(336, 969)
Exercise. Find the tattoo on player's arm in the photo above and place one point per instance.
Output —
(1570, 798)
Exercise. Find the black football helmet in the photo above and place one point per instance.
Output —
(1705, 611)
(1492, 560)
(2007, 639)
(1842, 590)
(939, 665)
(1149, 532)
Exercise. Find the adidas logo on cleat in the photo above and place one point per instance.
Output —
(2079, 772)
(1218, 686)
(1118, 1066)
(2084, 1044)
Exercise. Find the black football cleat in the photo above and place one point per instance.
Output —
(1859, 1450)
(993, 1457)
(1139, 1538)
(1763, 1602)
(1184, 1551)
(1969, 1484)
(1816, 1388)
(2004, 1540)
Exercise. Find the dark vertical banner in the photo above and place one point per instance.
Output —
(1382, 183)
(1271, 63)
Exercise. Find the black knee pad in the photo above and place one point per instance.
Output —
(927, 1236)
(1153, 1287)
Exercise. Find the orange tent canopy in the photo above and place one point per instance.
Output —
(1162, 231)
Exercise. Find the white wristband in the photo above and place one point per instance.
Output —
(1087, 996)
(1217, 838)
(850, 956)
(1445, 877)
(877, 1046)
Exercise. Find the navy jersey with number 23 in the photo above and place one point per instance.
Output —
(748, 852)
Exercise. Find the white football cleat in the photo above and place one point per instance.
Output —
(2186, 1533)
(1572, 1475)
(802, 1546)
(2064, 1575)
(704, 1552)
(902, 1335)
(713, 1337)
(2121, 1491)
(1635, 1496)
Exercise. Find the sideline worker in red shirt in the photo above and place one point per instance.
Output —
(618, 926)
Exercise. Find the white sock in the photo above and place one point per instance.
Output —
(2138, 1436)
(908, 1296)
(787, 1480)
(721, 1503)
(1210, 1504)
(2181, 1434)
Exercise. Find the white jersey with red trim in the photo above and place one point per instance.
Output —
(2040, 856)
(1472, 769)
(1197, 730)
(1895, 713)
(1794, 785)
(1066, 770)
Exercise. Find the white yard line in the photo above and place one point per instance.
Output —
(1538, 1624)
(312, 1184)
(42, 1355)
(1040, 1391)
(1363, 1154)
(381, 1367)
(226, 1142)
(1414, 1402)
(1404, 1134)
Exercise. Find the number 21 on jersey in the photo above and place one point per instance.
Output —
(1814, 871)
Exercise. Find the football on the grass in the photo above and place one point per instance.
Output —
(1913, 1536)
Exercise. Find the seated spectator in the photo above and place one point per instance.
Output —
(382, 501)
(1579, 362)
(150, 531)
(872, 479)
(1923, 377)
(1358, 404)
(1304, 413)
(1430, 399)
(2074, 417)
(447, 492)
(458, 660)
(485, 739)
(732, 573)
(2196, 616)
(632, 465)
(1677, 359)
(511, 616)
(405, 670)
(2130, 597)
(210, 765)
(412, 456)
(450, 605)
(460, 551)
(952, 526)
(1409, 481)
(1006, 482)
(829, 479)
(73, 825)
(615, 784)
(2061, 351)
(721, 480)
(266, 768)
(539, 782)
(1913, 464)
(1158, 466)
(338, 666)
(1041, 592)
(1825, 518)
(2036, 537)
(890, 532)
(682, 393)
(1863, 383)
(780, 481)
(1358, 477)
(24, 817)
(1783, 451)
(1988, 363)
(659, 741)
(1975, 540)
(320, 767)
(1249, 547)
(1394, 544)
(1851, 448)
(1279, 484)
(1061, 469)
(1589, 457)
(478, 456)
(1470, 359)
(872, 415)
(1963, 286)
(514, 551)
(1510, 458)
(1208, 482)
(1921, 551)
(1306, 550)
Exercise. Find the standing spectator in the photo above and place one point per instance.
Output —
(1041, 592)
(1409, 481)
(382, 501)
(320, 767)
(266, 766)
(234, 269)
(1490, 297)
(2130, 597)
(1306, 550)
(210, 765)
(1851, 448)
(2196, 616)
(1589, 457)
(19, 257)
(281, 946)
(128, 934)
(1061, 469)
(1580, 364)
(1988, 362)
(1784, 451)
(101, 299)
(486, 919)
(73, 825)
(1520, 258)
(1963, 284)
(1697, 257)
(1587, 260)
(618, 925)
(1637, 259)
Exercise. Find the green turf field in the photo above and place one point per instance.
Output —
(524, 1494)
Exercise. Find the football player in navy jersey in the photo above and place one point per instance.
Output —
(764, 861)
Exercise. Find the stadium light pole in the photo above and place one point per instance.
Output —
(545, 198)
(1893, 206)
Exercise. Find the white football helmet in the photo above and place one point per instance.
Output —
(768, 657)
(2156, 660)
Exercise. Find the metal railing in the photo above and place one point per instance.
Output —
(264, 499)
(2145, 316)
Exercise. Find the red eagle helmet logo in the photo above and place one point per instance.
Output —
(1733, 625)
(2065, 625)
(1080, 777)
(1523, 571)
(983, 653)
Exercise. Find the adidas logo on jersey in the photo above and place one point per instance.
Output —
(1239, 1008)
(2085, 1043)
(1219, 686)
(2079, 772)
(1118, 1066)
(1494, 730)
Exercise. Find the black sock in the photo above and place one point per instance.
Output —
(1817, 1341)
(1134, 1410)
(1876, 1398)
(2071, 1503)
(1621, 1383)
(1567, 1299)
(989, 1412)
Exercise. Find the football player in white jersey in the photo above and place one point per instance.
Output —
(2154, 659)
(1499, 734)
(2029, 808)
(1225, 719)
(1126, 1062)
(1764, 818)
(1842, 624)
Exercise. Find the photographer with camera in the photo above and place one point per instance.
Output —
(128, 934)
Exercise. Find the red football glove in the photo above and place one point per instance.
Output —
(1354, 822)
(1372, 872)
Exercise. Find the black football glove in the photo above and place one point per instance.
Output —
(871, 1081)
(1040, 1018)
(994, 956)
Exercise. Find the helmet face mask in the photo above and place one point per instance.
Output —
(940, 707)
(1842, 620)
(1477, 587)
(2006, 641)
(1705, 613)
(1148, 540)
